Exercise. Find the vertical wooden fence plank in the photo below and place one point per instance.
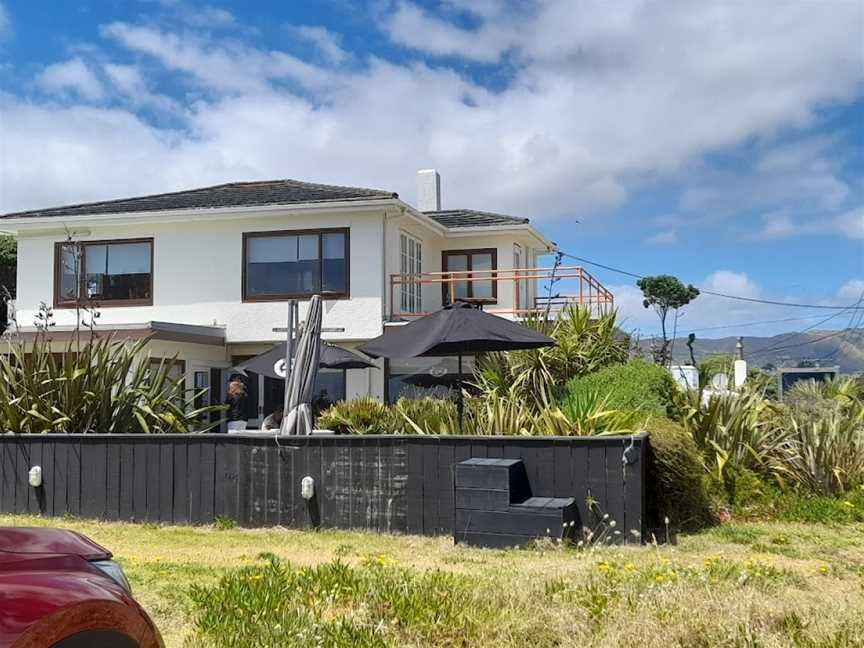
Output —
(127, 480)
(112, 479)
(165, 507)
(328, 494)
(208, 483)
(544, 473)
(73, 474)
(446, 461)
(286, 486)
(250, 483)
(48, 476)
(61, 484)
(597, 484)
(359, 497)
(180, 479)
(140, 480)
(634, 491)
(299, 518)
(615, 488)
(7, 475)
(153, 476)
(194, 447)
(313, 470)
(34, 458)
(414, 486)
(22, 467)
(430, 449)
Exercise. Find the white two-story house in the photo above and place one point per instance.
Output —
(206, 274)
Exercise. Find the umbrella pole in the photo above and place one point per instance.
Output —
(460, 402)
(289, 356)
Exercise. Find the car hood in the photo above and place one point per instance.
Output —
(27, 540)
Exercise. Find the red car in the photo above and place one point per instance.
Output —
(59, 589)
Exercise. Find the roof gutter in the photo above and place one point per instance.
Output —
(27, 223)
(523, 227)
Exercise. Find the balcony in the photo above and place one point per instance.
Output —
(513, 293)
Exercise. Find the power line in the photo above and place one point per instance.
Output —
(719, 294)
(796, 345)
(757, 323)
(816, 325)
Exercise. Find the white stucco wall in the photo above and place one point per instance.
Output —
(197, 276)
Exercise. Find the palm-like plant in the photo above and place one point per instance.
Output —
(739, 430)
(584, 344)
(109, 386)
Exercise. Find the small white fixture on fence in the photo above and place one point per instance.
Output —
(307, 488)
(35, 476)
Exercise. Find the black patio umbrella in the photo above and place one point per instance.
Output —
(272, 363)
(458, 330)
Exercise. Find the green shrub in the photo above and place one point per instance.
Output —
(637, 385)
(426, 416)
(359, 416)
(676, 480)
(109, 386)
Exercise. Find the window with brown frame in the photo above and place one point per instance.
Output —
(111, 273)
(466, 287)
(296, 264)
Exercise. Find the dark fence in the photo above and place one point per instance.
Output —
(380, 483)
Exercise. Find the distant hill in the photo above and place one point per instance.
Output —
(827, 348)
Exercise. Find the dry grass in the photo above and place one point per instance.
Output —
(761, 584)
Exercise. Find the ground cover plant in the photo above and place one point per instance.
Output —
(742, 584)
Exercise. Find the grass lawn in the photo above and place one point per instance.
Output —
(753, 584)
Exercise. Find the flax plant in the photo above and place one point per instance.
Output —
(108, 386)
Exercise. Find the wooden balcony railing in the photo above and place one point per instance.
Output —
(513, 292)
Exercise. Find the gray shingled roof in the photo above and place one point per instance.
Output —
(456, 218)
(234, 194)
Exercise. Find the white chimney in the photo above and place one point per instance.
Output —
(428, 190)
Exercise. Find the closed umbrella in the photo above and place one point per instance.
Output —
(271, 363)
(454, 330)
(297, 417)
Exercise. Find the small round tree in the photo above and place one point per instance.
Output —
(665, 293)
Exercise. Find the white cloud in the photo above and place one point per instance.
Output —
(851, 292)
(225, 66)
(848, 224)
(325, 41)
(129, 82)
(411, 26)
(210, 17)
(602, 96)
(666, 237)
(71, 75)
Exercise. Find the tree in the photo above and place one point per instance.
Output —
(665, 293)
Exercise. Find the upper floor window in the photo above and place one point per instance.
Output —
(107, 272)
(295, 264)
(472, 275)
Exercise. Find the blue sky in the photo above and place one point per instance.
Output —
(721, 142)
